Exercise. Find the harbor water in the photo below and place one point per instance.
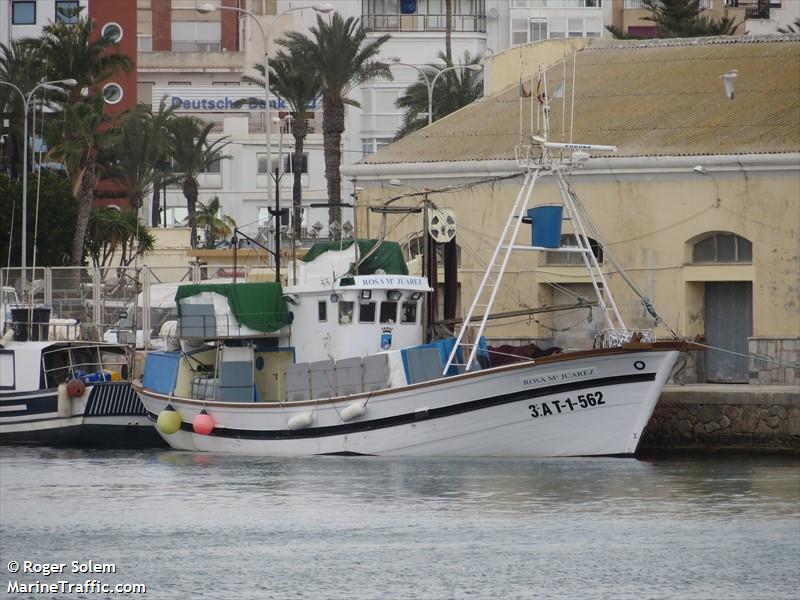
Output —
(208, 526)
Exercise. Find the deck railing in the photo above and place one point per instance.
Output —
(59, 365)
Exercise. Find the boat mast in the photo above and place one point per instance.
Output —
(535, 160)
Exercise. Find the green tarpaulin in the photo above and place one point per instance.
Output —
(388, 256)
(257, 305)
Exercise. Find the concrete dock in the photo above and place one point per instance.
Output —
(720, 417)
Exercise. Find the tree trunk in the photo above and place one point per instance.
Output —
(448, 31)
(190, 192)
(332, 129)
(85, 201)
(135, 202)
(155, 205)
(299, 130)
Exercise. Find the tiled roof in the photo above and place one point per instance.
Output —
(657, 98)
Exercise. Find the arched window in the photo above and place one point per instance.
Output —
(722, 248)
(573, 258)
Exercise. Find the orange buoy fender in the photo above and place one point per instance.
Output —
(75, 388)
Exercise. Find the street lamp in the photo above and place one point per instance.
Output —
(431, 84)
(47, 85)
(323, 8)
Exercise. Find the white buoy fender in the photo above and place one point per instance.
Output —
(7, 338)
(353, 411)
(64, 401)
(300, 421)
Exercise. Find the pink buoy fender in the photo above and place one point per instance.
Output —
(203, 424)
(75, 388)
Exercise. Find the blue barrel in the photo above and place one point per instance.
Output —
(546, 225)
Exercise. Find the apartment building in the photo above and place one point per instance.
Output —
(26, 18)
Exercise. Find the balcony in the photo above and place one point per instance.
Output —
(633, 4)
(557, 3)
(422, 16)
(190, 61)
(754, 9)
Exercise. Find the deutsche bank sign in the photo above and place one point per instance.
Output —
(227, 103)
(212, 98)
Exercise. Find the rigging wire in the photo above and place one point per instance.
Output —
(795, 365)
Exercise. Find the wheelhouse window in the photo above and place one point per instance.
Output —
(322, 311)
(366, 312)
(722, 248)
(388, 312)
(409, 312)
(346, 312)
(573, 258)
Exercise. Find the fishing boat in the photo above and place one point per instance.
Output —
(66, 391)
(298, 371)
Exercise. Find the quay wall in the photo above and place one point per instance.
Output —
(709, 417)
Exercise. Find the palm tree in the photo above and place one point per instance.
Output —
(298, 83)
(193, 153)
(70, 50)
(76, 140)
(21, 65)
(448, 31)
(119, 234)
(142, 149)
(344, 58)
(459, 88)
(215, 224)
(793, 28)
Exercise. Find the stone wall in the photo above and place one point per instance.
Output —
(784, 350)
(725, 417)
(689, 368)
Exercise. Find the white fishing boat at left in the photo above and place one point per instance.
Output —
(69, 393)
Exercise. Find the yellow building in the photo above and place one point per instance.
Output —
(701, 202)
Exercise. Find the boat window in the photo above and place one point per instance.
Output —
(346, 312)
(409, 312)
(322, 311)
(388, 312)
(366, 312)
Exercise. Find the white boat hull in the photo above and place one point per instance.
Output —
(105, 414)
(586, 404)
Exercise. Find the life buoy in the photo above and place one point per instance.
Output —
(75, 388)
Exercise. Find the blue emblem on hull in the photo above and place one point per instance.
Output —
(386, 339)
